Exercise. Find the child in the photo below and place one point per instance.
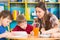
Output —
(22, 25)
(5, 20)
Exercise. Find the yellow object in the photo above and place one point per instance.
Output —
(14, 14)
(27, 15)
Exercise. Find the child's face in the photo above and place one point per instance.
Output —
(23, 25)
(6, 21)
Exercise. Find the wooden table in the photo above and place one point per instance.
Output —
(34, 38)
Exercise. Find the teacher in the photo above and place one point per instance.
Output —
(48, 22)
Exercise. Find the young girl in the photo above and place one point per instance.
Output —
(5, 20)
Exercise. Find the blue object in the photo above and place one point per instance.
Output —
(19, 0)
(2, 30)
(17, 8)
(55, 11)
(13, 24)
(1, 4)
(31, 11)
(49, 9)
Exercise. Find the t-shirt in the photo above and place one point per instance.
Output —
(28, 29)
(2, 30)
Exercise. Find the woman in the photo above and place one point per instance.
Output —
(48, 22)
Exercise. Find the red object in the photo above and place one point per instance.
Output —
(28, 29)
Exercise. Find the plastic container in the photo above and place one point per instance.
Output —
(36, 29)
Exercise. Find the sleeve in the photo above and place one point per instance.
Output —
(54, 20)
(2, 30)
(15, 29)
(29, 29)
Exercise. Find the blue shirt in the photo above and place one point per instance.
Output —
(2, 30)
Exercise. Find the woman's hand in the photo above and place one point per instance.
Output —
(55, 35)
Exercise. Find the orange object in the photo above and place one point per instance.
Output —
(36, 31)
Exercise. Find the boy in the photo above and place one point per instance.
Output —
(5, 20)
(22, 25)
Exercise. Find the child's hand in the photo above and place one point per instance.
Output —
(32, 33)
(9, 34)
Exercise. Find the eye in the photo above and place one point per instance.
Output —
(38, 11)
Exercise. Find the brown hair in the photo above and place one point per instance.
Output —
(41, 5)
(46, 17)
(6, 13)
(20, 19)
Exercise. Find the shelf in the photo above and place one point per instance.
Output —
(17, 2)
(52, 2)
(32, 2)
(30, 20)
(27, 20)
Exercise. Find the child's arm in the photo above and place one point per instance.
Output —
(6, 35)
(2, 35)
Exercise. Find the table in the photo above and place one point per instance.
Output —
(34, 38)
(30, 37)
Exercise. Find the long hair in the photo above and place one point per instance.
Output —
(45, 21)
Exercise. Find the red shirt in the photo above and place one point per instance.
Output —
(28, 29)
